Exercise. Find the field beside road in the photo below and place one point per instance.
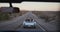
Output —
(7, 17)
(22, 12)
(47, 15)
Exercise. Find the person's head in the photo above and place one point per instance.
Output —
(31, 19)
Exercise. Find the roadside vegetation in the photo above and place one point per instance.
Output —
(48, 16)
(4, 16)
(22, 12)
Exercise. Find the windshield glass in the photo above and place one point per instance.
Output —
(45, 14)
(29, 20)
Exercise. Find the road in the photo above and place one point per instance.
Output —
(16, 23)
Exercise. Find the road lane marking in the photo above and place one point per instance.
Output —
(41, 26)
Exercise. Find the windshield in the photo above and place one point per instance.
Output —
(29, 20)
(45, 14)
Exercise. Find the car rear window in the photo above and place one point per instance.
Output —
(27, 20)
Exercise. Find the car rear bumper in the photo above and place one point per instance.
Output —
(29, 26)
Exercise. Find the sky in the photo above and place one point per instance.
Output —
(35, 6)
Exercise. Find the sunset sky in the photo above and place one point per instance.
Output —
(39, 6)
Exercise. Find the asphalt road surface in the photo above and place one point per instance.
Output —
(16, 24)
